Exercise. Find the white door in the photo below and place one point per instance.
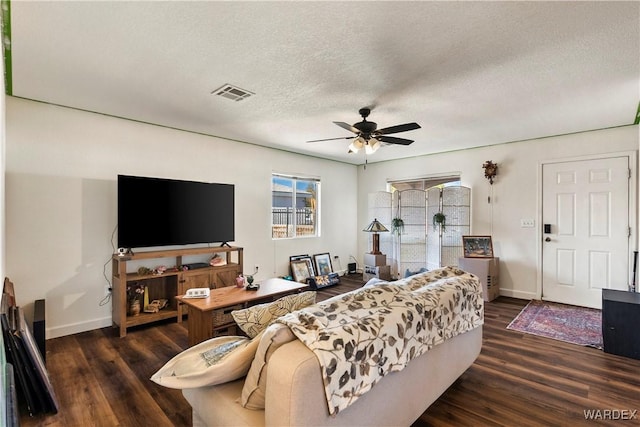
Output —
(586, 204)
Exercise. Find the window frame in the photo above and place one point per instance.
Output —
(291, 229)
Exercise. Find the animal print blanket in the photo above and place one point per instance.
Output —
(363, 335)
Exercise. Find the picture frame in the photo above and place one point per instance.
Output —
(41, 380)
(323, 264)
(28, 364)
(477, 246)
(303, 257)
(301, 269)
(16, 359)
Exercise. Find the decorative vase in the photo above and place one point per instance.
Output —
(134, 307)
(240, 281)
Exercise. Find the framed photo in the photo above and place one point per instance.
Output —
(303, 257)
(300, 269)
(323, 264)
(477, 246)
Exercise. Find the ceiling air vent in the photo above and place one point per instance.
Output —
(232, 92)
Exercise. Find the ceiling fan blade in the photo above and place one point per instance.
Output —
(394, 140)
(398, 128)
(347, 126)
(332, 139)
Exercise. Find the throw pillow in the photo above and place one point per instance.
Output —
(215, 361)
(255, 385)
(412, 273)
(255, 319)
(374, 281)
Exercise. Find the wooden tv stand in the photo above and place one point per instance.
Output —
(171, 283)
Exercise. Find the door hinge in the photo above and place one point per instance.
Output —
(629, 232)
(629, 173)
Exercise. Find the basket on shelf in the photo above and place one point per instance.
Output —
(223, 316)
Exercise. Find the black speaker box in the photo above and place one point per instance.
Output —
(351, 268)
(39, 327)
(620, 320)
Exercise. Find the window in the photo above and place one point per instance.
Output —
(295, 206)
(424, 183)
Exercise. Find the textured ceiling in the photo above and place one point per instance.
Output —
(470, 73)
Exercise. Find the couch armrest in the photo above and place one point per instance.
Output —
(295, 389)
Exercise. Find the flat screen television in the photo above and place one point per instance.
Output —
(166, 212)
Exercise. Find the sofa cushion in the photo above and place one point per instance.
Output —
(218, 406)
(255, 385)
(211, 362)
(409, 273)
(255, 319)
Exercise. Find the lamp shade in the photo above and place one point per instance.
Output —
(375, 227)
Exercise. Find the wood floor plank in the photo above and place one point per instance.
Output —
(79, 392)
(518, 379)
(525, 380)
(117, 372)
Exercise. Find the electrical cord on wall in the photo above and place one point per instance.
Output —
(107, 297)
(491, 200)
(337, 265)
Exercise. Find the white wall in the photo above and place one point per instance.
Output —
(515, 193)
(3, 394)
(3, 127)
(61, 170)
(60, 208)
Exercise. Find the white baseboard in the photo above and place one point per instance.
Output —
(74, 328)
(518, 294)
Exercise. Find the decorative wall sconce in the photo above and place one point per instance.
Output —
(490, 170)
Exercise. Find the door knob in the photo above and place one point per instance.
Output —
(548, 239)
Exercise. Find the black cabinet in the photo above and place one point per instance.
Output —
(621, 323)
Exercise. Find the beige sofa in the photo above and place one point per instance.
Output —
(295, 395)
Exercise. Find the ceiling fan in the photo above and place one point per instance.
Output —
(368, 135)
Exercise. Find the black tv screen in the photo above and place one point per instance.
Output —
(165, 212)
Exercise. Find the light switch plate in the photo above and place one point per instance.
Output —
(527, 223)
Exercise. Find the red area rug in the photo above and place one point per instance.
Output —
(569, 323)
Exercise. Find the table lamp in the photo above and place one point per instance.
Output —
(376, 227)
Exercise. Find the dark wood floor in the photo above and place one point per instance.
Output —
(518, 379)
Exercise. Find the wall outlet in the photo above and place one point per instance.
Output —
(527, 223)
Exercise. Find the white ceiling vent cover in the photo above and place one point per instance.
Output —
(232, 92)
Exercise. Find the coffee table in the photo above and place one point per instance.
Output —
(207, 316)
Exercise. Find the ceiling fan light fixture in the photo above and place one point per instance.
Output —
(372, 146)
(357, 144)
(368, 136)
